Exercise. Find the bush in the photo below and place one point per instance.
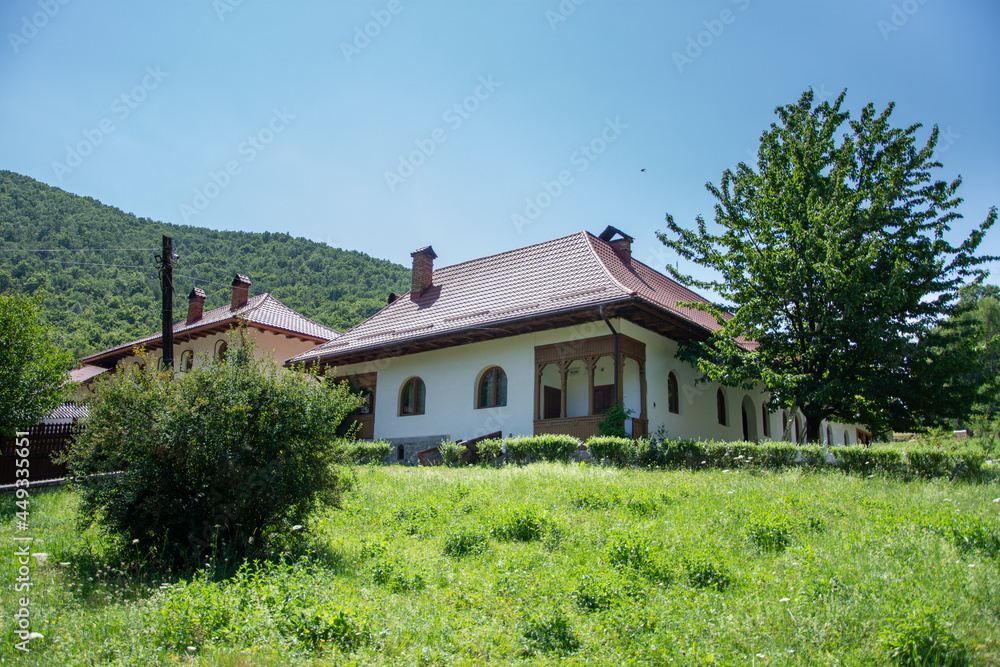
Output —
(226, 457)
(869, 460)
(930, 462)
(617, 450)
(451, 452)
(549, 447)
(921, 640)
(770, 531)
(360, 452)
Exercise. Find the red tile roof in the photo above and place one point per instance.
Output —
(263, 311)
(537, 283)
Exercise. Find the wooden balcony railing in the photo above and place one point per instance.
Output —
(578, 427)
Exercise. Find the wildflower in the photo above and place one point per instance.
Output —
(785, 600)
(297, 527)
(36, 635)
(135, 541)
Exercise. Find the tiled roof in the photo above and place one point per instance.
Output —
(567, 274)
(86, 373)
(263, 310)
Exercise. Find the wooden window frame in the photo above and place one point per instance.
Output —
(494, 372)
(673, 394)
(416, 402)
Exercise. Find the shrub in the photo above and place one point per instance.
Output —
(550, 632)
(226, 456)
(320, 626)
(451, 452)
(360, 452)
(812, 456)
(868, 460)
(549, 447)
(618, 450)
(921, 640)
(465, 542)
(614, 420)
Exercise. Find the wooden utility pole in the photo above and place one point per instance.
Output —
(166, 260)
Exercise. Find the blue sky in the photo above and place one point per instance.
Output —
(387, 125)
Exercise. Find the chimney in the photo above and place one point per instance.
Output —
(622, 246)
(423, 270)
(241, 291)
(196, 304)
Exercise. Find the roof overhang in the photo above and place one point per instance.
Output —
(110, 358)
(639, 311)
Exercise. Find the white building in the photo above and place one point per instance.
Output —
(542, 339)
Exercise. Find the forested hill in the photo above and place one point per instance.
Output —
(99, 298)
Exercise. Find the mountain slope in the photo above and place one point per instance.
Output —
(105, 295)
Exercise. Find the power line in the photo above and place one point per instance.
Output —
(114, 266)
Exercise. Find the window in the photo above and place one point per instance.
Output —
(784, 423)
(798, 436)
(673, 400)
(187, 360)
(492, 388)
(829, 436)
(400, 453)
(220, 349)
(411, 401)
(765, 420)
(720, 404)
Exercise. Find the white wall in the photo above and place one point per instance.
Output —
(450, 377)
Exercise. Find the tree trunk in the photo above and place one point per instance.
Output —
(814, 423)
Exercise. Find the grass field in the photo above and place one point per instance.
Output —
(550, 564)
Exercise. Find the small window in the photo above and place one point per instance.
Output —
(720, 403)
(187, 360)
(673, 399)
(400, 453)
(221, 348)
(829, 435)
(845, 438)
(492, 388)
(411, 401)
(765, 420)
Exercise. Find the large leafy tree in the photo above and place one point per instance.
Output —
(833, 250)
(979, 318)
(32, 366)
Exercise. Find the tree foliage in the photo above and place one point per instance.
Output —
(978, 317)
(225, 456)
(32, 367)
(99, 298)
(834, 251)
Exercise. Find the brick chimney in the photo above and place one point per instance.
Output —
(196, 304)
(241, 291)
(622, 246)
(423, 270)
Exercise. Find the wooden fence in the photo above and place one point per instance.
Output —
(45, 441)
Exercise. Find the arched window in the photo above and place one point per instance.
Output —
(845, 438)
(829, 435)
(412, 398)
(765, 419)
(187, 360)
(492, 388)
(220, 349)
(673, 398)
(798, 436)
(400, 453)
(720, 404)
(784, 423)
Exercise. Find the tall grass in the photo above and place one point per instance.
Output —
(554, 564)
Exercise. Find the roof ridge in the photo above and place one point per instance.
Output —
(295, 312)
(590, 246)
(507, 252)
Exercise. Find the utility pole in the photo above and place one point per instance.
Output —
(166, 260)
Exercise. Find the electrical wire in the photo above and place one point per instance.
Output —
(75, 249)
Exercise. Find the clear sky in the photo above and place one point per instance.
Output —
(387, 125)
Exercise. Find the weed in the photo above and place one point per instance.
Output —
(549, 632)
(465, 542)
(521, 524)
(920, 639)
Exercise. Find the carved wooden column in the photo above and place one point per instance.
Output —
(591, 363)
(642, 390)
(563, 372)
(539, 369)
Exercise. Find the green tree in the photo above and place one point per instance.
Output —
(32, 367)
(979, 318)
(224, 457)
(833, 252)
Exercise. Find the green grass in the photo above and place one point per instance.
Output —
(552, 564)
